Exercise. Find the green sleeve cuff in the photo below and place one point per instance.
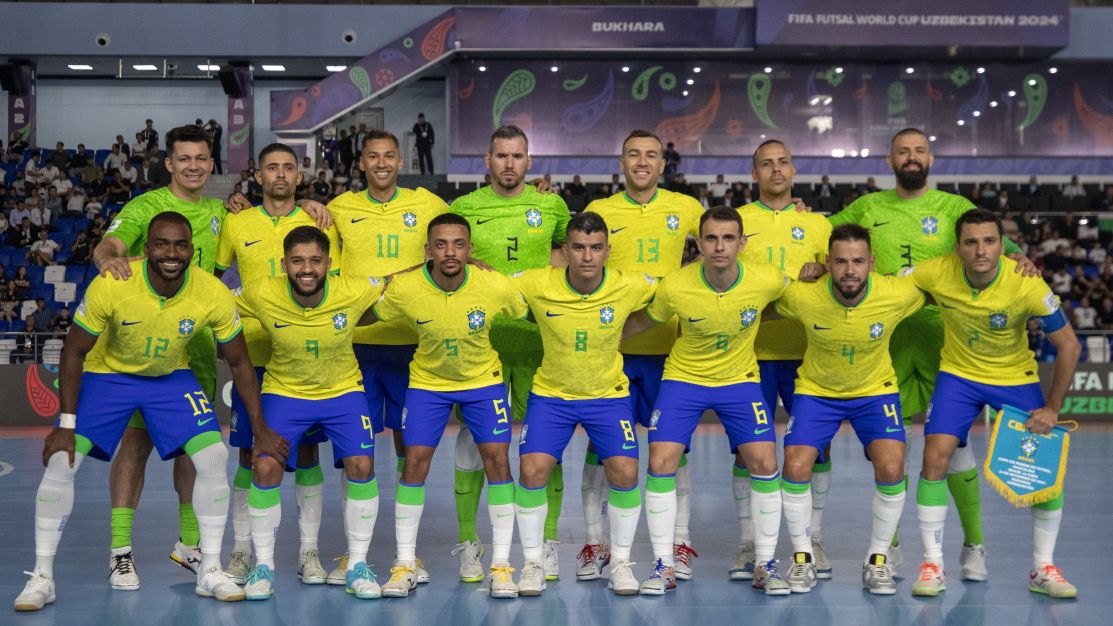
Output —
(86, 328)
(238, 331)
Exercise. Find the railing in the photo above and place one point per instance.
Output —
(45, 347)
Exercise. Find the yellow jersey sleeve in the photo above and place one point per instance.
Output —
(225, 246)
(224, 319)
(95, 310)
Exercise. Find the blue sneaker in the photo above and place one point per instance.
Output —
(767, 578)
(259, 584)
(662, 579)
(360, 581)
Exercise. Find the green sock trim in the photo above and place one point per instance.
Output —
(187, 521)
(242, 479)
(1050, 505)
(892, 490)
(592, 458)
(630, 499)
(468, 487)
(660, 484)
(761, 484)
(202, 441)
(122, 520)
(529, 498)
(796, 488)
(931, 492)
(683, 460)
(82, 445)
(501, 493)
(400, 464)
(309, 476)
(819, 468)
(264, 497)
(413, 495)
(741, 472)
(554, 491)
(363, 491)
(968, 501)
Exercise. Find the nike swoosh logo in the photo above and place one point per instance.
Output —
(615, 231)
(656, 512)
(366, 516)
(248, 244)
(365, 446)
(876, 224)
(254, 516)
(221, 499)
(502, 515)
(818, 327)
(764, 512)
(203, 422)
(629, 446)
(693, 320)
(627, 514)
(972, 478)
(127, 323)
(398, 517)
(758, 431)
(484, 221)
(356, 221)
(890, 429)
(498, 431)
(42, 499)
(277, 325)
(310, 495)
(551, 314)
(423, 322)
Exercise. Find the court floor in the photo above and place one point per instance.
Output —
(167, 595)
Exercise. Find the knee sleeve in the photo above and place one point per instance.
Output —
(467, 453)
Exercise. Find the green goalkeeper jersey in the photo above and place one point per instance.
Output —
(513, 234)
(205, 216)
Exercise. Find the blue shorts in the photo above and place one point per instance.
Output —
(240, 434)
(740, 408)
(550, 423)
(644, 372)
(485, 412)
(174, 408)
(815, 420)
(386, 375)
(342, 418)
(778, 378)
(957, 402)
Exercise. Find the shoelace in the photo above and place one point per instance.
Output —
(586, 555)
(929, 571)
(618, 569)
(343, 561)
(1054, 573)
(254, 575)
(683, 553)
(879, 572)
(771, 569)
(122, 563)
(37, 579)
(659, 570)
(399, 571)
(798, 569)
(501, 574)
(469, 548)
(364, 571)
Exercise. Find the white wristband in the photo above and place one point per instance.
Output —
(67, 420)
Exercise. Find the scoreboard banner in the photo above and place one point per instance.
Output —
(1026, 468)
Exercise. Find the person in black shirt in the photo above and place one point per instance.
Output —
(150, 135)
(423, 134)
(216, 132)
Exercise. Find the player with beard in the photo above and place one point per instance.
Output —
(908, 225)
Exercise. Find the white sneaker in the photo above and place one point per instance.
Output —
(622, 580)
(551, 560)
(420, 573)
(260, 583)
(502, 583)
(360, 582)
(309, 568)
(339, 574)
(216, 584)
(877, 576)
(188, 557)
(239, 565)
(801, 574)
(744, 563)
(532, 581)
(682, 555)
(471, 568)
(121, 569)
(972, 562)
(593, 558)
(37, 593)
(819, 556)
(403, 580)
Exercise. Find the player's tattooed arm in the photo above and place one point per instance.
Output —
(637, 323)
(318, 212)
(810, 272)
(1043, 419)
(78, 344)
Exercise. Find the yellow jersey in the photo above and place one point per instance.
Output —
(717, 330)
(985, 336)
(454, 350)
(381, 238)
(787, 239)
(581, 332)
(253, 241)
(312, 347)
(649, 238)
(143, 333)
(847, 352)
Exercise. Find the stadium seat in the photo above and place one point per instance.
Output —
(75, 274)
(52, 351)
(1097, 347)
(99, 156)
(26, 309)
(7, 346)
(54, 274)
(42, 290)
(65, 292)
(35, 274)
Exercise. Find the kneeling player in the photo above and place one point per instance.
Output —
(312, 380)
(712, 366)
(451, 305)
(848, 319)
(135, 332)
(986, 306)
(581, 311)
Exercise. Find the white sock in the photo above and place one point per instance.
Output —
(765, 507)
(309, 513)
(361, 513)
(409, 503)
(210, 501)
(264, 529)
(1045, 533)
(797, 503)
(502, 520)
(887, 509)
(821, 485)
(740, 485)
(623, 510)
(53, 505)
(591, 493)
(683, 502)
(932, 519)
(344, 500)
(531, 521)
(241, 521)
(660, 507)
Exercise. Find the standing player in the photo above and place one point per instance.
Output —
(712, 366)
(253, 240)
(514, 228)
(648, 230)
(451, 308)
(847, 320)
(796, 243)
(581, 311)
(313, 380)
(383, 232)
(986, 306)
(908, 225)
(130, 339)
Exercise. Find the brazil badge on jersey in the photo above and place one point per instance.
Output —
(1026, 468)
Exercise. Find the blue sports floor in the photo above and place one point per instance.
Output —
(167, 595)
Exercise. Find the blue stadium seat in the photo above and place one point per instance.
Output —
(46, 154)
(18, 326)
(42, 290)
(1091, 271)
(99, 156)
(76, 273)
(35, 274)
(9, 172)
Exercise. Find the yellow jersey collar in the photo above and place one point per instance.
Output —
(741, 272)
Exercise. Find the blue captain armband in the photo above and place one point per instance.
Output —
(1053, 322)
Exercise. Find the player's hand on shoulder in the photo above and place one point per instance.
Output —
(801, 206)
(118, 266)
(811, 272)
(237, 202)
(269, 443)
(542, 185)
(1024, 265)
(1042, 420)
(59, 440)
(318, 212)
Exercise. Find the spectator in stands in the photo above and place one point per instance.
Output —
(1097, 254)
(80, 250)
(576, 191)
(44, 213)
(150, 135)
(742, 193)
(1053, 243)
(32, 172)
(241, 184)
(64, 186)
(139, 147)
(18, 214)
(146, 174)
(79, 160)
(119, 191)
(128, 173)
(1002, 200)
(254, 190)
(320, 188)
(123, 146)
(423, 141)
(17, 143)
(41, 314)
(62, 321)
(871, 186)
(42, 251)
(1074, 189)
(32, 341)
(327, 169)
(680, 185)
(672, 163)
(89, 171)
(1105, 314)
(216, 133)
(75, 204)
(22, 283)
(60, 158)
(989, 193)
(1061, 282)
(344, 149)
(1087, 229)
(9, 300)
(704, 198)
(1081, 285)
(96, 229)
(717, 191)
(1059, 259)
(3, 228)
(1009, 225)
(1105, 203)
(728, 199)
(824, 189)
(341, 176)
(114, 161)
(48, 173)
(1033, 186)
(617, 184)
(22, 236)
(307, 173)
(1085, 316)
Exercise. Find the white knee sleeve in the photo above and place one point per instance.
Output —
(467, 453)
(962, 460)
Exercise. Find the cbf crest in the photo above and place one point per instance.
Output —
(749, 316)
(929, 226)
(798, 233)
(477, 319)
(998, 320)
(533, 218)
(340, 320)
(877, 330)
(606, 315)
(185, 326)
(672, 221)
(409, 219)
(1029, 445)
(214, 225)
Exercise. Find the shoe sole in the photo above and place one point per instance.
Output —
(651, 592)
(687, 576)
(623, 592)
(779, 592)
(1059, 596)
(258, 597)
(32, 607)
(882, 592)
(552, 576)
(504, 595)
(239, 597)
(741, 575)
(126, 587)
(595, 576)
(923, 593)
(339, 582)
(311, 580)
(977, 578)
(423, 580)
(395, 594)
(472, 579)
(823, 574)
(792, 589)
(530, 593)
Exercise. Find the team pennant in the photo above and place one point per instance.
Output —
(1026, 468)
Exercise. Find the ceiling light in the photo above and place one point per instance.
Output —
(1032, 83)
(691, 82)
(341, 68)
(274, 68)
(625, 68)
(1012, 94)
(684, 93)
(981, 70)
(209, 68)
(554, 68)
(80, 67)
(145, 68)
(992, 104)
(909, 70)
(696, 70)
(961, 122)
(482, 68)
(768, 70)
(864, 153)
(977, 113)
(1052, 70)
(932, 138)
